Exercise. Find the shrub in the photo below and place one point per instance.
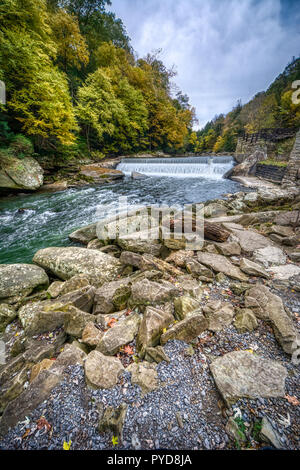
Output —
(21, 146)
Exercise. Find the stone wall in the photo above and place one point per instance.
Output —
(292, 175)
(270, 172)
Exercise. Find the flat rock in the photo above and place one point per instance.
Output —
(253, 269)
(146, 292)
(67, 262)
(269, 256)
(251, 241)
(285, 272)
(240, 374)
(221, 264)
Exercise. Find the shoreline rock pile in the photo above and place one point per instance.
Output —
(124, 319)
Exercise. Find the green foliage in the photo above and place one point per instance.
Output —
(74, 85)
(274, 163)
(256, 429)
(21, 146)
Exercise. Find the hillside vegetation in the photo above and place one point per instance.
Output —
(268, 109)
(76, 88)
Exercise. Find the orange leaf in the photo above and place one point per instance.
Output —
(111, 322)
(26, 433)
(293, 400)
(128, 350)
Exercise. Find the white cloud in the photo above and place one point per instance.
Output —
(223, 49)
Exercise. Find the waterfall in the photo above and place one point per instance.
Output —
(186, 167)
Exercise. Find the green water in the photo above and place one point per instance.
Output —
(49, 218)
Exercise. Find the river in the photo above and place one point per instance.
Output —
(49, 218)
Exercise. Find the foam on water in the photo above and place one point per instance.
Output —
(187, 167)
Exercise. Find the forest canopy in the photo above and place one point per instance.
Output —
(74, 84)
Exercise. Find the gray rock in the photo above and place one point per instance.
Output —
(119, 335)
(187, 329)
(253, 269)
(269, 256)
(21, 279)
(20, 174)
(102, 371)
(240, 374)
(221, 264)
(67, 262)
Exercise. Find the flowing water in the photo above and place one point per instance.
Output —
(49, 218)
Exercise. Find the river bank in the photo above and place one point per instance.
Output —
(131, 338)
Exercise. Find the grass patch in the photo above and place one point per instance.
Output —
(274, 163)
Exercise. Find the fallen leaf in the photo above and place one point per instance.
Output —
(111, 322)
(292, 399)
(26, 433)
(128, 350)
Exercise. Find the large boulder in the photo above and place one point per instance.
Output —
(112, 296)
(119, 335)
(21, 279)
(146, 292)
(187, 329)
(97, 174)
(102, 371)
(141, 242)
(84, 235)
(67, 262)
(221, 264)
(246, 167)
(241, 374)
(20, 174)
(151, 327)
(39, 317)
(269, 307)
(269, 256)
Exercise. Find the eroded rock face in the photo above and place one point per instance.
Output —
(21, 279)
(102, 371)
(67, 262)
(221, 264)
(187, 329)
(20, 174)
(269, 307)
(153, 322)
(138, 243)
(119, 335)
(240, 374)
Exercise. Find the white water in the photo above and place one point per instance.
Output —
(186, 167)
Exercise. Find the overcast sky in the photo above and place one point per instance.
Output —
(224, 50)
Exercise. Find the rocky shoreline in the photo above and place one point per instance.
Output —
(161, 346)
